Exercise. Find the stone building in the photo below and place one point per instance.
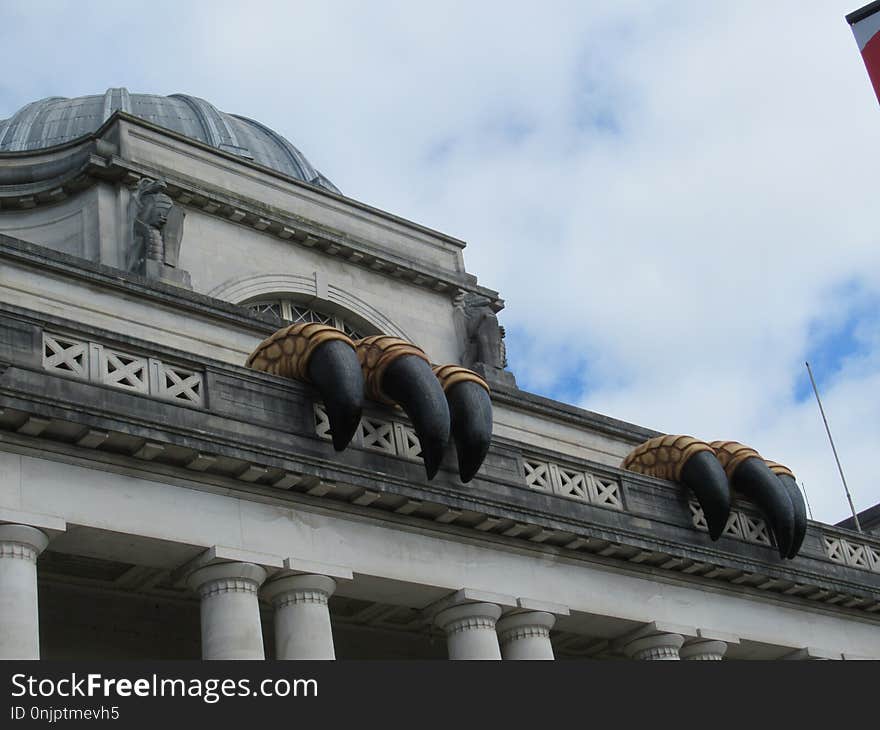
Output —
(159, 499)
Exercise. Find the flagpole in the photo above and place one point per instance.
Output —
(831, 441)
(806, 497)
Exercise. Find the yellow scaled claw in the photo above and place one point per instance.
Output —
(691, 462)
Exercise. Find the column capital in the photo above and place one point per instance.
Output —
(468, 616)
(211, 580)
(525, 625)
(22, 541)
(654, 646)
(299, 589)
(703, 650)
(470, 630)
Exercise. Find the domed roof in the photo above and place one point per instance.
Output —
(55, 120)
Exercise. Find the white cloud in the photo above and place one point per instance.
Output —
(673, 194)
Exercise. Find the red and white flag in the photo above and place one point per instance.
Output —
(866, 28)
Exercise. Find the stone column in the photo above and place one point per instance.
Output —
(19, 611)
(231, 627)
(661, 646)
(302, 616)
(703, 650)
(470, 630)
(526, 635)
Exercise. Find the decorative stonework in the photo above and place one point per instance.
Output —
(289, 311)
(228, 585)
(662, 647)
(122, 371)
(534, 631)
(856, 555)
(18, 551)
(655, 653)
(179, 384)
(571, 483)
(65, 355)
(468, 617)
(388, 437)
(299, 597)
(484, 337)
(156, 233)
(117, 369)
(470, 623)
(740, 526)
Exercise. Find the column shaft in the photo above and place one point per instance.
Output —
(19, 611)
(231, 627)
(302, 616)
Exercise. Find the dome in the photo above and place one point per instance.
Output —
(56, 120)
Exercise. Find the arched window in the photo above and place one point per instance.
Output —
(291, 311)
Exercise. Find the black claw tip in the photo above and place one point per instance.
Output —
(755, 480)
(336, 373)
(800, 513)
(705, 477)
(410, 382)
(471, 411)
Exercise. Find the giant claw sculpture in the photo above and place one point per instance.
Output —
(391, 371)
(711, 469)
(324, 356)
(786, 476)
(398, 372)
(470, 409)
(693, 463)
(749, 474)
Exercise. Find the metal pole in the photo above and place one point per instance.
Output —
(831, 440)
(804, 490)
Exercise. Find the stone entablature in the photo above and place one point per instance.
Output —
(261, 432)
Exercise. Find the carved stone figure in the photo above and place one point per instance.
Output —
(157, 230)
(484, 337)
